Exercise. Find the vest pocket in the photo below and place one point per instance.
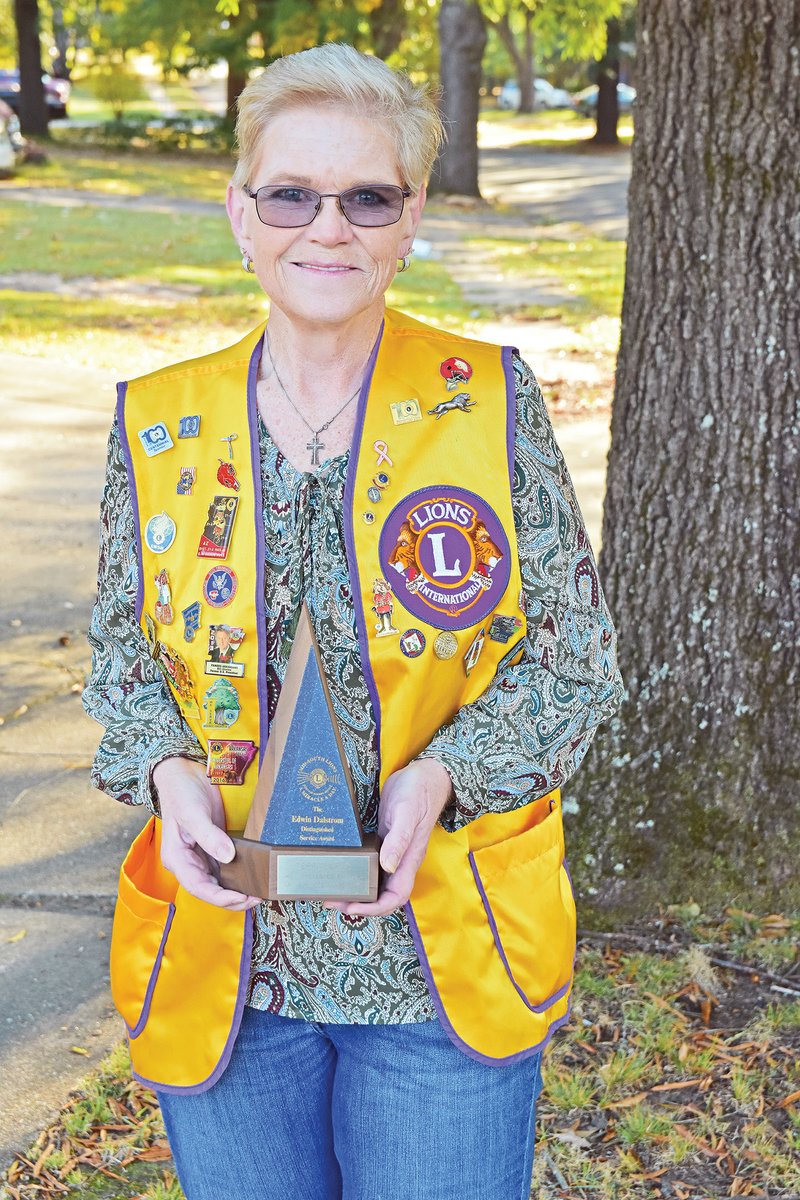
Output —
(529, 903)
(142, 919)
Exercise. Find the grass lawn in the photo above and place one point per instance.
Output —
(592, 271)
(135, 290)
(131, 174)
(83, 105)
(193, 257)
(676, 1078)
(559, 129)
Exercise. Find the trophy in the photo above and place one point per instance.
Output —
(303, 839)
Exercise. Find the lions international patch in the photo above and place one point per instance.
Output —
(446, 556)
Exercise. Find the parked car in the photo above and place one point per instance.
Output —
(544, 95)
(586, 101)
(12, 142)
(56, 93)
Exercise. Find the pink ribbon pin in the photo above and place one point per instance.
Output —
(382, 451)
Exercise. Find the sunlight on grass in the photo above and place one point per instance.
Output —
(555, 129)
(591, 271)
(132, 174)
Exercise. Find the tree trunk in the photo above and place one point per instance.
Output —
(32, 107)
(527, 95)
(694, 790)
(607, 114)
(387, 26)
(462, 37)
(521, 58)
(235, 84)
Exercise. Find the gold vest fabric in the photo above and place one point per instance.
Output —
(433, 562)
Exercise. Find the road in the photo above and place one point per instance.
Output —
(60, 842)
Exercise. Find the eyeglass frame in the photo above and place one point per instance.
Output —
(337, 196)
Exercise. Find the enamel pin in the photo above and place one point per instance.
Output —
(503, 628)
(219, 586)
(412, 643)
(454, 372)
(155, 439)
(226, 475)
(159, 533)
(191, 621)
(216, 536)
(228, 761)
(223, 643)
(474, 652)
(404, 411)
(382, 607)
(446, 645)
(164, 613)
(177, 673)
(230, 439)
(189, 427)
(461, 402)
(186, 480)
(382, 451)
(221, 705)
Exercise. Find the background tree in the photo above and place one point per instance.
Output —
(32, 108)
(607, 80)
(462, 38)
(560, 27)
(695, 792)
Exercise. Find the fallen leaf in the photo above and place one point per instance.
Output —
(672, 1087)
(789, 1100)
(80, 1050)
(158, 1152)
(17, 937)
(629, 1101)
(570, 1138)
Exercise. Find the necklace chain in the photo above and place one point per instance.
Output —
(317, 444)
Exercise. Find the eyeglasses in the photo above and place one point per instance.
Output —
(289, 207)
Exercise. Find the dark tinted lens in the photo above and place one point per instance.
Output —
(378, 204)
(286, 207)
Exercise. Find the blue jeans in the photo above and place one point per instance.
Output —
(307, 1111)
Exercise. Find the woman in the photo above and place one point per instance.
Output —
(405, 483)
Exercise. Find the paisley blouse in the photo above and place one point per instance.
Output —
(525, 735)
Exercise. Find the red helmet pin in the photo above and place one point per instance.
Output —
(455, 371)
(226, 474)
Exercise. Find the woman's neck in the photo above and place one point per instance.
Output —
(319, 362)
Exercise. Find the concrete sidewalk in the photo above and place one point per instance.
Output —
(60, 842)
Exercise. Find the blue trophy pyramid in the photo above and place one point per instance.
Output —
(312, 802)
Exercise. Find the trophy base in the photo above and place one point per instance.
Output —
(303, 872)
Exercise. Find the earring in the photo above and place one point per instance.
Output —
(405, 262)
(247, 262)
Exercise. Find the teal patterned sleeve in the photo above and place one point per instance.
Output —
(126, 692)
(531, 728)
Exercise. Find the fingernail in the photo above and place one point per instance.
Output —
(390, 865)
(226, 854)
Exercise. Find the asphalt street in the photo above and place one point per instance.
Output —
(60, 842)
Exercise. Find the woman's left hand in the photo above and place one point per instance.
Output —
(411, 803)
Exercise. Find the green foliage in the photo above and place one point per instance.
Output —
(8, 35)
(168, 135)
(116, 85)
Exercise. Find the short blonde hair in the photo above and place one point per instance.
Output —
(338, 74)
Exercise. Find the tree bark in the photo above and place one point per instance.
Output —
(462, 38)
(607, 115)
(521, 58)
(387, 26)
(695, 790)
(32, 106)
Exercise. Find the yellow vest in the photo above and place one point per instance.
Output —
(437, 590)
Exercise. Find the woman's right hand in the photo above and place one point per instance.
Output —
(193, 832)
